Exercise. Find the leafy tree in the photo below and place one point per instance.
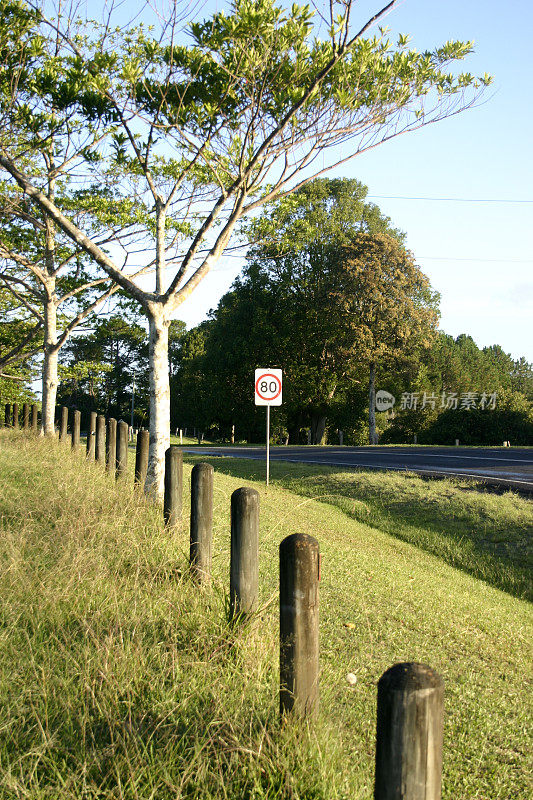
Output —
(455, 367)
(20, 338)
(329, 294)
(199, 135)
(50, 277)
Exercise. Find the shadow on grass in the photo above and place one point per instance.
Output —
(485, 534)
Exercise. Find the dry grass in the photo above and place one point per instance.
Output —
(121, 679)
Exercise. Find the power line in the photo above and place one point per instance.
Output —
(495, 260)
(446, 199)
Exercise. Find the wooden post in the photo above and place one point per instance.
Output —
(63, 424)
(201, 521)
(15, 415)
(244, 558)
(409, 734)
(122, 450)
(299, 568)
(141, 457)
(91, 436)
(7, 415)
(99, 443)
(111, 446)
(25, 416)
(34, 418)
(76, 423)
(173, 485)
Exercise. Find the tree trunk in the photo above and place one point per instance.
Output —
(49, 374)
(318, 428)
(372, 436)
(159, 403)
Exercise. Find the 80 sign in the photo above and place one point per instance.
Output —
(268, 387)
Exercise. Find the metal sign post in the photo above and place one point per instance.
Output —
(268, 392)
(268, 444)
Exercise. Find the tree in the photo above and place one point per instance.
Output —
(387, 303)
(300, 238)
(329, 295)
(203, 134)
(47, 275)
(20, 342)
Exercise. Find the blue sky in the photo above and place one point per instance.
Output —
(477, 254)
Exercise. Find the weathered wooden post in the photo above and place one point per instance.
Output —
(201, 521)
(299, 574)
(99, 444)
(34, 418)
(91, 436)
(25, 416)
(63, 424)
(173, 485)
(122, 450)
(141, 457)
(409, 734)
(15, 415)
(76, 424)
(111, 446)
(244, 558)
(7, 415)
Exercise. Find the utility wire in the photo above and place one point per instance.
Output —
(446, 199)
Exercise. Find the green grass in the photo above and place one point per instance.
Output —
(488, 535)
(121, 679)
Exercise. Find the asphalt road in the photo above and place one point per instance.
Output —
(497, 466)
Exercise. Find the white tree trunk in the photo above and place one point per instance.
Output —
(159, 403)
(49, 375)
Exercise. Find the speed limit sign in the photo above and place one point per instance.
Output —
(268, 386)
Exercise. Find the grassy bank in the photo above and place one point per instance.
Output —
(119, 679)
(488, 535)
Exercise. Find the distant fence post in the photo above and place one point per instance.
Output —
(409, 734)
(91, 436)
(34, 418)
(25, 416)
(76, 423)
(173, 485)
(122, 450)
(99, 444)
(299, 565)
(111, 445)
(244, 558)
(141, 457)
(15, 415)
(63, 424)
(201, 531)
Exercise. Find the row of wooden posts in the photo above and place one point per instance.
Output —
(12, 416)
(410, 695)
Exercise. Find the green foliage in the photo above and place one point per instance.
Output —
(99, 369)
(327, 289)
(511, 420)
(20, 340)
(458, 366)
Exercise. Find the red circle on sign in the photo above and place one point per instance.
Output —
(262, 378)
